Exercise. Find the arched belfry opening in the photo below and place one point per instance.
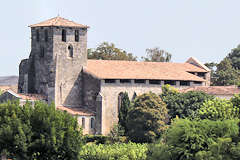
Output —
(70, 51)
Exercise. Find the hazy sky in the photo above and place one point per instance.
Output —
(205, 29)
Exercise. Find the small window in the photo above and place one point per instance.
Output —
(125, 81)
(42, 52)
(110, 80)
(37, 35)
(154, 82)
(70, 51)
(170, 82)
(139, 81)
(64, 35)
(83, 122)
(77, 35)
(184, 83)
(46, 35)
(92, 123)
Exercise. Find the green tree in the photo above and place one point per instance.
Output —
(38, 132)
(147, 118)
(236, 100)
(157, 55)
(234, 57)
(225, 74)
(212, 66)
(108, 51)
(218, 109)
(198, 140)
(183, 105)
(123, 110)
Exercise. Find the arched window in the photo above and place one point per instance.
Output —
(37, 35)
(76, 35)
(64, 35)
(46, 35)
(92, 123)
(83, 122)
(70, 51)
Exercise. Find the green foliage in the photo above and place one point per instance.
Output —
(234, 57)
(108, 51)
(183, 105)
(117, 151)
(157, 55)
(117, 134)
(123, 111)
(236, 100)
(147, 118)
(225, 74)
(38, 132)
(96, 139)
(205, 139)
(218, 109)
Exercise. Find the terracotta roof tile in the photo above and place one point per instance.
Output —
(5, 88)
(76, 111)
(58, 21)
(114, 69)
(214, 90)
(33, 97)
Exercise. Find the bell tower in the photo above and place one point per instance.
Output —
(58, 54)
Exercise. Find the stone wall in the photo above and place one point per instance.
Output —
(87, 129)
(91, 88)
(23, 76)
(68, 84)
(109, 103)
(41, 65)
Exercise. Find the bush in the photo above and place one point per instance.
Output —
(38, 132)
(218, 109)
(186, 139)
(147, 118)
(96, 139)
(183, 105)
(117, 151)
(236, 100)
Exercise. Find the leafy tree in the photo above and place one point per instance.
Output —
(38, 132)
(212, 66)
(225, 74)
(218, 109)
(108, 51)
(236, 100)
(123, 111)
(183, 105)
(147, 118)
(201, 140)
(157, 55)
(234, 57)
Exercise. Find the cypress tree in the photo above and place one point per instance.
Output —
(123, 110)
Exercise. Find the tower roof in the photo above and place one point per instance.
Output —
(58, 21)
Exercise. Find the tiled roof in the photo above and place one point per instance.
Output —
(114, 69)
(58, 21)
(23, 96)
(214, 90)
(5, 88)
(76, 111)
(33, 97)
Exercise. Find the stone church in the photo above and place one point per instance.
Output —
(58, 69)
